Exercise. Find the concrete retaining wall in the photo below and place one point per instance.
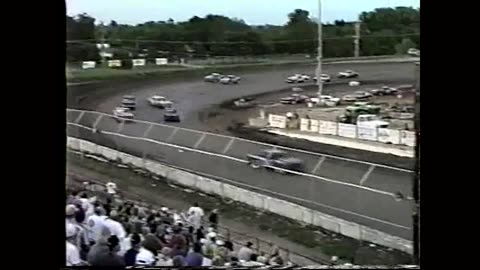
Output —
(259, 201)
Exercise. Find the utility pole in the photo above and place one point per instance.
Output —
(319, 57)
(356, 41)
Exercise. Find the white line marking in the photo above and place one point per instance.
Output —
(319, 163)
(199, 141)
(97, 121)
(366, 175)
(173, 134)
(147, 131)
(79, 117)
(242, 161)
(270, 145)
(228, 146)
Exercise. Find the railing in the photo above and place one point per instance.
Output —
(97, 187)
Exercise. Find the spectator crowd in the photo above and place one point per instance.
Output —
(111, 232)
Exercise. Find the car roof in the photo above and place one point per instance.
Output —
(128, 96)
(274, 151)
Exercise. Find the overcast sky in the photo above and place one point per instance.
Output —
(251, 11)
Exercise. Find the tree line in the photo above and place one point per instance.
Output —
(384, 31)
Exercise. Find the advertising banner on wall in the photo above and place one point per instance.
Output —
(327, 127)
(277, 121)
(347, 130)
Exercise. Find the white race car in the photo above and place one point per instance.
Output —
(229, 79)
(347, 74)
(122, 114)
(158, 101)
(298, 78)
(413, 52)
(323, 77)
(213, 77)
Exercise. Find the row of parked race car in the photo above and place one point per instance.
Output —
(125, 111)
(223, 79)
(296, 98)
(301, 78)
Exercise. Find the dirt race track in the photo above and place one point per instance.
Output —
(348, 198)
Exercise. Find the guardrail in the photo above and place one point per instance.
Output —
(226, 233)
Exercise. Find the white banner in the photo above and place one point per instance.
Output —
(88, 64)
(407, 137)
(114, 63)
(347, 130)
(304, 124)
(314, 126)
(138, 62)
(327, 127)
(367, 133)
(161, 61)
(386, 135)
(277, 121)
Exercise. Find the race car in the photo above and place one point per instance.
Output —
(274, 159)
(323, 77)
(213, 77)
(128, 101)
(361, 95)
(295, 99)
(297, 78)
(349, 98)
(158, 101)
(413, 52)
(347, 74)
(122, 114)
(171, 115)
(325, 100)
(229, 79)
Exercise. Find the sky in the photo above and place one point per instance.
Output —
(253, 12)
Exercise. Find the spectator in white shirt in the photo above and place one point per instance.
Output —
(116, 228)
(95, 223)
(245, 252)
(144, 257)
(111, 188)
(72, 253)
(196, 210)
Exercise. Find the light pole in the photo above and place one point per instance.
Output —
(319, 57)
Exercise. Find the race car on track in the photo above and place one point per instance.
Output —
(128, 101)
(171, 115)
(122, 114)
(213, 77)
(362, 95)
(323, 77)
(275, 159)
(229, 79)
(295, 99)
(325, 100)
(298, 78)
(158, 101)
(349, 98)
(297, 89)
(413, 52)
(347, 74)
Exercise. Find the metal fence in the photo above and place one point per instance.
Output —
(97, 188)
(222, 158)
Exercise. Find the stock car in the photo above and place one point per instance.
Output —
(122, 114)
(295, 99)
(213, 77)
(298, 78)
(362, 95)
(273, 159)
(129, 101)
(229, 79)
(323, 77)
(171, 115)
(347, 74)
(158, 101)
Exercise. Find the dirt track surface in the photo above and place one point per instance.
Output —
(375, 210)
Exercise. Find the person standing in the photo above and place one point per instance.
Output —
(195, 258)
(213, 218)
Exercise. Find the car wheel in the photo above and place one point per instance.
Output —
(254, 165)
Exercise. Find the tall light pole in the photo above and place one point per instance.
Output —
(319, 57)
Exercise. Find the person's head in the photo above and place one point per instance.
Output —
(109, 201)
(229, 245)
(253, 257)
(190, 229)
(84, 196)
(80, 216)
(135, 240)
(70, 211)
(99, 211)
(195, 204)
(249, 244)
(197, 247)
(145, 230)
(74, 193)
(166, 251)
(178, 261)
(113, 243)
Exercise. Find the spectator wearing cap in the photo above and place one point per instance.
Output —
(104, 253)
(178, 243)
(95, 224)
(72, 252)
(131, 254)
(221, 250)
(245, 252)
(195, 258)
(151, 242)
(164, 258)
